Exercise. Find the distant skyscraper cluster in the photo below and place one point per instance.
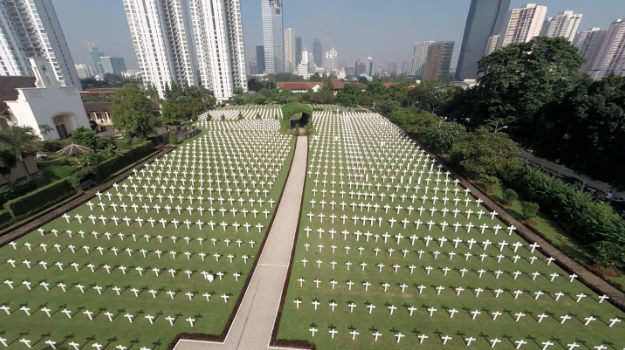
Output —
(163, 32)
(105, 64)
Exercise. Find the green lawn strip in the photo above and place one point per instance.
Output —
(43, 212)
(211, 316)
(295, 322)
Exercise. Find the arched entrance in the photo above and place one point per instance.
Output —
(64, 124)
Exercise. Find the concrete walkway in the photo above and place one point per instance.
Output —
(255, 318)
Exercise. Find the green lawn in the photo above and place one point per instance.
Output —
(377, 150)
(224, 153)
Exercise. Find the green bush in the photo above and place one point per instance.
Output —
(529, 210)
(173, 139)
(19, 189)
(509, 196)
(40, 199)
(608, 255)
(54, 173)
(52, 146)
(113, 165)
(5, 218)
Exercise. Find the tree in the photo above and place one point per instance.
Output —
(607, 254)
(7, 163)
(509, 195)
(486, 153)
(441, 136)
(45, 129)
(85, 137)
(529, 210)
(170, 111)
(423, 97)
(349, 95)
(315, 77)
(19, 139)
(238, 91)
(363, 80)
(132, 112)
(376, 88)
(173, 139)
(151, 92)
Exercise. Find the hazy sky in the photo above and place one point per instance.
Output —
(385, 30)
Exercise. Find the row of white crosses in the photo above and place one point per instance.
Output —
(28, 343)
(249, 114)
(389, 308)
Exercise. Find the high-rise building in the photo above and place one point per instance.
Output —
(112, 65)
(95, 56)
(391, 68)
(522, 25)
(485, 18)
(218, 37)
(298, 50)
(30, 28)
(260, 58)
(162, 39)
(405, 67)
(609, 57)
(84, 71)
(302, 66)
(331, 61)
(438, 60)
(253, 68)
(587, 43)
(289, 51)
(273, 36)
(419, 56)
(318, 53)
(370, 66)
(491, 44)
(564, 25)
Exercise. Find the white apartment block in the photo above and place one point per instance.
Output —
(289, 50)
(564, 25)
(491, 44)
(30, 28)
(419, 56)
(609, 57)
(302, 67)
(331, 61)
(161, 37)
(522, 25)
(587, 43)
(218, 37)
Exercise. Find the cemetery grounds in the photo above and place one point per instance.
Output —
(392, 253)
(164, 252)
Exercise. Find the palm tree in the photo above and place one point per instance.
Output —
(19, 139)
(45, 129)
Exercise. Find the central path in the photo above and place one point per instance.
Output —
(255, 318)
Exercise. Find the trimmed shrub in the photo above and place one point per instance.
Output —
(509, 196)
(173, 139)
(529, 210)
(113, 165)
(41, 198)
(5, 218)
(19, 189)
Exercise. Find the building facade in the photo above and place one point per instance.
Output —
(609, 57)
(522, 25)
(438, 60)
(298, 49)
(260, 58)
(331, 61)
(162, 40)
(587, 43)
(491, 45)
(84, 71)
(564, 25)
(95, 56)
(253, 68)
(30, 28)
(218, 38)
(485, 19)
(290, 64)
(419, 57)
(317, 53)
(112, 65)
(273, 36)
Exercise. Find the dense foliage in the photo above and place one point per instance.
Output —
(132, 112)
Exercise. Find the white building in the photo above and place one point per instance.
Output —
(522, 25)
(587, 43)
(289, 50)
(30, 28)
(564, 25)
(491, 44)
(302, 67)
(331, 61)
(218, 37)
(609, 57)
(42, 100)
(419, 56)
(84, 71)
(273, 36)
(161, 36)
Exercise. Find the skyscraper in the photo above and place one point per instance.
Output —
(218, 37)
(84, 71)
(112, 65)
(360, 67)
(298, 50)
(522, 25)
(438, 60)
(609, 57)
(273, 35)
(162, 39)
(260, 58)
(318, 53)
(331, 61)
(289, 50)
(95, 56)
(30, 28)
(485, 18)
(405, 67)
(564, 25)
(587, 43)
(419, 57)
(253, 68)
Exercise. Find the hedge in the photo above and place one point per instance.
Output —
(19, 189)
(40, 199)
(5, 217)
(113, 165)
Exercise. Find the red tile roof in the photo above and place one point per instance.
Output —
(337, 84)
(9, 86)
(304, 85)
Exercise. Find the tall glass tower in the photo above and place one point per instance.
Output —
(273, 36)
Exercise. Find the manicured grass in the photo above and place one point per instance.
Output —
(378, 149)
(229, 155)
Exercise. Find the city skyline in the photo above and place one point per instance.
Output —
(434, 22)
